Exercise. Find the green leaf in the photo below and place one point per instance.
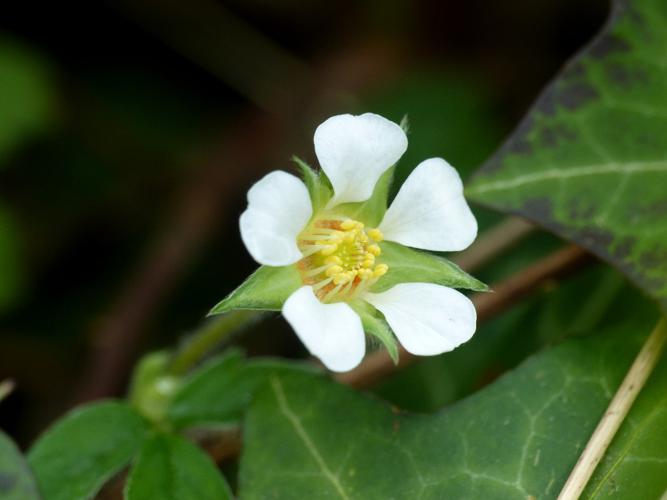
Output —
(407, 265)
(75, 457)
(519, 437)
(371, 211)
(27, 100)
(16, 479)
(375, 325)
(634, 466)
(219, 392)
(216, 394)
(265, 289)
(589, 161)
(317, 184)
(171, 468)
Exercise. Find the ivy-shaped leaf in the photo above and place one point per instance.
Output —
(589, 161)
(516, 439)
(75, 457)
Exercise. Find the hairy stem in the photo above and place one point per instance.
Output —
(618, 408)
(209, 337)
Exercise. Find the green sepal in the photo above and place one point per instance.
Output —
(375, 325)
(407, 265)
(371, 211)
(317, 183)
(266, 289)
(405, 124)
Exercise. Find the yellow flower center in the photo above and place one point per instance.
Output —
(340, 258)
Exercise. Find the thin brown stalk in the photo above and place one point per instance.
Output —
(616, 412)
(494, 242)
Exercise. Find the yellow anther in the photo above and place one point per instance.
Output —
(342, 278)
(368, 260)
(374, 249)
(376, 234)
(333, 270)
(342, 254)
(334, 259)
(380, 270)
(365, 274)
(329, 249)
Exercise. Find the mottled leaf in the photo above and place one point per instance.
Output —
(16, 479)
(516, 439)
(75, 457)
(589, 161)
(171, 468)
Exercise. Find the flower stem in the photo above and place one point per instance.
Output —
(618, 408)
(209, 337)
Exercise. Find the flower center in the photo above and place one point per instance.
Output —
(339, 258)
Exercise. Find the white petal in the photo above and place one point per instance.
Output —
(354, 151)
(332, 332)
(429, 211)
(279, 208)
(428, 319)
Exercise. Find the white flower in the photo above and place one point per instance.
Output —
(339, 259)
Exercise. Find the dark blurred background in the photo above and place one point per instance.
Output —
(131, 130)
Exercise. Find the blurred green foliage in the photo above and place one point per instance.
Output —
(27, 98)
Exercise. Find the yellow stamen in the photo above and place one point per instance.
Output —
(329, 249)
(333, 271)
(340, 258)
(380, 270)
(334, 259)
(365, 274)
(376, 234)
(374, 249)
